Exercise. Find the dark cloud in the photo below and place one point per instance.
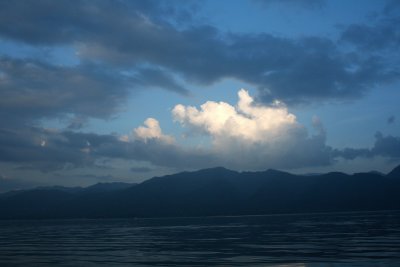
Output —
(77, 123)
(42, 149)
(318, 71)
(158, 153)
(391, 119)
(291, 70)
(392, 7)
(31, 89)
(302, 70)
(380, 36)
(352, 153)
(50, 150)
(128, 35)
(385, 146)
(46, 22)
(156, 77)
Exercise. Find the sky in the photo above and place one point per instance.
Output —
(122, 91)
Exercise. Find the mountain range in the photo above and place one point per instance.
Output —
(210, 192)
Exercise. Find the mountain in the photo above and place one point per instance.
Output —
(107, 187)
(395, 173)
(210, 192)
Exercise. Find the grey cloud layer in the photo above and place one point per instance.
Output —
(31, 90)
(382, 34)
(45, 150)
(129, 34)
(49, 150)
(385, 146)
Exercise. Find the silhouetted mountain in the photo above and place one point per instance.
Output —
(60, 188)
(107, 187)
(377, 172)
(215, 191)
(395, 173)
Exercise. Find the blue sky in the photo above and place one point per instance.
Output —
(102, 91)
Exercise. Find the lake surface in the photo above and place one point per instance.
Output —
(341, 239)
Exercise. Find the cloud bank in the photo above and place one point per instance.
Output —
(250, 136)
(246, 136)
(143, 39)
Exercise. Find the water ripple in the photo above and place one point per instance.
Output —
(359, 239)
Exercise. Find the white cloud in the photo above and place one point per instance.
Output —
(246, 136)
(245, 122)
(250, 136)
(151, 130)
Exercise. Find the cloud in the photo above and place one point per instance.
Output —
(42, 149)
(152, 130)
(283, 143)
(245, 136)
(392, 7)
(294, 70)
(391, 119)
(77, 122)
(123, 46)
(51, 23)
(249, 136)
(126, 36)
(382, 34)
(352, 153)
(157, 152)
(374, 37)
(379, 38)
(385, 146)
(49, 150)
(156, 77)
(245, 122)
(31, 90)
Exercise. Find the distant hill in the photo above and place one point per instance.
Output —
(395, 173)
(210, 192)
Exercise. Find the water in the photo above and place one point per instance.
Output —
(345, 239)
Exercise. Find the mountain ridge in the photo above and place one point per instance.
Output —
(210, 192)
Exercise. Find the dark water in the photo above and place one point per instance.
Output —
(346, 239)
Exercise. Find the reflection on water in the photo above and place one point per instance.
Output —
(346, 239)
